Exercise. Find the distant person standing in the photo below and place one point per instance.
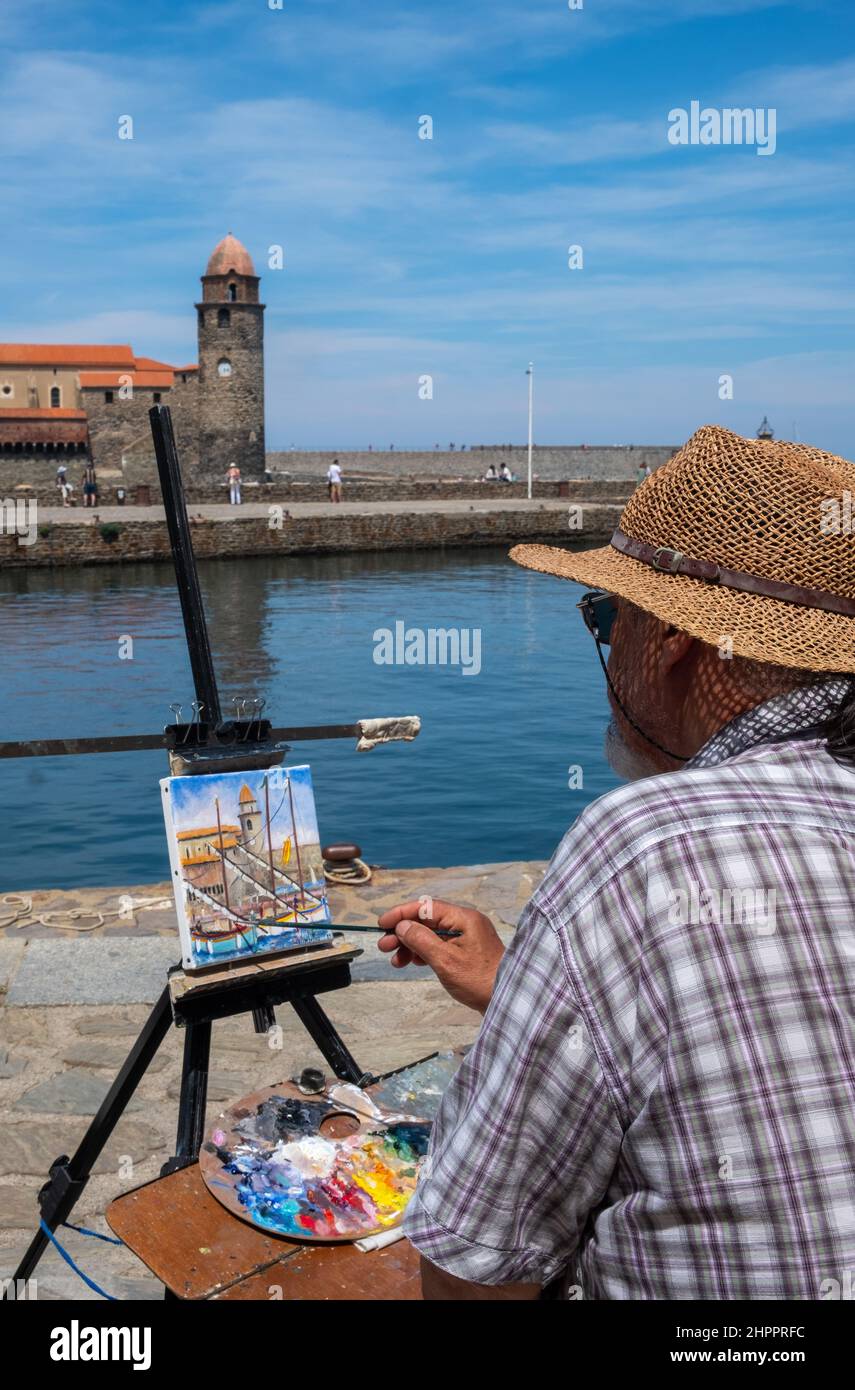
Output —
(643, 474)
(89, 483)
(334, 481)
(63, 484)
(233, 479)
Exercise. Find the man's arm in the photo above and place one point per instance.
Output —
(525, 1141)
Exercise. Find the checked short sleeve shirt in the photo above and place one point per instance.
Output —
(661, 1100)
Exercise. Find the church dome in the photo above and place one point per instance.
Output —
(230, 256)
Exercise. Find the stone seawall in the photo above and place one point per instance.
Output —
(75, 539)
(428, 490)
(356, 490)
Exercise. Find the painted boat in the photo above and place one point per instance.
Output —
(294, 915)
(225, 940)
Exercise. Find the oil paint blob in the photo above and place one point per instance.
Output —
(281, 1160)
(284, 1175)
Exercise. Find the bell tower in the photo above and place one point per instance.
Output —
(249, 817)
(231, 364)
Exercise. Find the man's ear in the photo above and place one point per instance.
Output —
(676, 646)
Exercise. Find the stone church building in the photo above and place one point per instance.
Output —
(64, 402)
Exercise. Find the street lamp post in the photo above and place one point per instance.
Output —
(530, 375)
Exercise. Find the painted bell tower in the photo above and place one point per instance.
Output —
(249, 816)
(231, 364)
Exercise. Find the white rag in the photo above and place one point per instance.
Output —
(374, 731)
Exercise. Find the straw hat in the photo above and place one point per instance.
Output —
(730, 539)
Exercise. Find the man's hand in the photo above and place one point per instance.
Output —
(465, 966)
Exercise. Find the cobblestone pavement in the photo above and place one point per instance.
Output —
(72, 1002)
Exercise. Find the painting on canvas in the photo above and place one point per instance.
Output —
(246, 862)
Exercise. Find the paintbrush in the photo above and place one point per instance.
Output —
(445, 933)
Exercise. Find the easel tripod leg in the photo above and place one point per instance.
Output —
(191, 1105)
(194, 1097)
(324, 1035)
(69, 1176)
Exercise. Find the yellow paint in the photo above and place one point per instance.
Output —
(382, 1185)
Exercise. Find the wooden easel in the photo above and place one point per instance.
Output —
(192, 1002)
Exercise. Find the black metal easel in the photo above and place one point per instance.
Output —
(206, 744)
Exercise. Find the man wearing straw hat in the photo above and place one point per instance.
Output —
(661, 1100)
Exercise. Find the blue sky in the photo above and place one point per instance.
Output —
(448, 257)
(193, 801)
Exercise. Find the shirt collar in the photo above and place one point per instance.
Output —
(794, 714)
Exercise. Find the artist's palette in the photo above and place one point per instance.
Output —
(335, 1167)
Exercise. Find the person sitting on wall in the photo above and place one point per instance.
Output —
(491, 476)
(659, 1102)
(506, 476)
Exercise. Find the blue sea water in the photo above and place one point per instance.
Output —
(486, 780)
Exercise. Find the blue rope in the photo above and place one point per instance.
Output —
(83, 1231)
(69, 1261)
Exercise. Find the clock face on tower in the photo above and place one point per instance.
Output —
(224, 367)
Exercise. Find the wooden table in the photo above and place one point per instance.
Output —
(200, 1251)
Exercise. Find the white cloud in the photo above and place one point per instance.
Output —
(805, 95)
(449, 257)
(582, 142)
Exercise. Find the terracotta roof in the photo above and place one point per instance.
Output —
(155, 379)
(112, 361)
(40, 413)
(65, 355)
(246, 794)
(230, 255)
(152, 364)
(206, 830)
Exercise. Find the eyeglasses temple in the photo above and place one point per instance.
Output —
(678, 757)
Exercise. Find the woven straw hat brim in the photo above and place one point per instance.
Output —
(763, 629)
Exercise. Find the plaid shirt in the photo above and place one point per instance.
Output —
(661, 1100)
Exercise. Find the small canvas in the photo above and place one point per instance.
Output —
(247, 870)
